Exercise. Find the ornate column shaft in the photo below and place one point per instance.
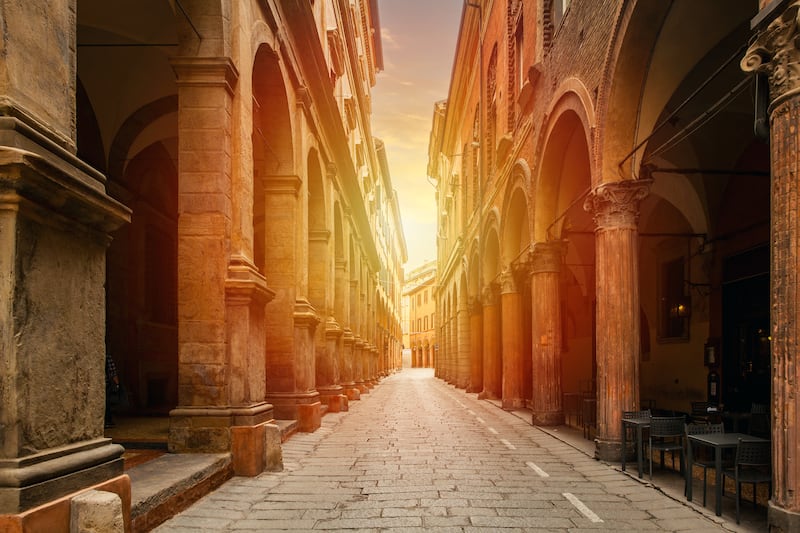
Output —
(545, 264)
(512, 364)
(616, 211)
(776, 54)
(475, 346)
(492, 368)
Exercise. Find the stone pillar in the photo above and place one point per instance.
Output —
(348, 372)
(775, 54)
(463, 367)
(545, 264)
(358, 364)
(221, 296)
(615, 207)
(475, 346)
(511, 332)
(329, 378)
(492, 367)
(291, 320)
(55, 221)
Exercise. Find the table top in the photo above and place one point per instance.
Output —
(723, 439)
(636, 421)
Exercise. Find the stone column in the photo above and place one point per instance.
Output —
(512, 364)
(616, 211)
(775, 54)
(291, 320)
(55, 221)
(545, 264)
(463, 367)
(475, 346)
(329, 375)
(348, 379)
(358, 365)
(492, 368)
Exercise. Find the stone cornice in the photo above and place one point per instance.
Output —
(244, 284)
(616, 205)
(776, 53)
(282, 184)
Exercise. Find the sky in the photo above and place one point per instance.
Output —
(419, 38)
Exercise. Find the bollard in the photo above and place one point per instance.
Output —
(96, 511)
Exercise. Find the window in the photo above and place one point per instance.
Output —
(675, 306)
(426, 323)
(559, 7)
(519, 43)
(426, 296)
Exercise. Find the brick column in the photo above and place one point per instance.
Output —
(475, 346)
(545, 264)
(492, 369)
(775, 54)
(512, 365)
(616, 211)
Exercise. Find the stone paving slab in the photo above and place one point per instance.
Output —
(419, 455)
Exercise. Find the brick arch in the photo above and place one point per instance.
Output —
(565, 147)
(515, 234)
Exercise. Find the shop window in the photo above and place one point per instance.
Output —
(675, 306)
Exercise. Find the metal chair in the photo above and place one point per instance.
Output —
(759, 421)
(705, 461)
(666, 435)
(753, 465)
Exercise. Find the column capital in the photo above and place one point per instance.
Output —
(616, 205)
(489, 294)
(475, 305)
(546, 257)
(776, 53)
(508, 284)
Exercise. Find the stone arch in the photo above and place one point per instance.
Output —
(516, 229)
(490, 254)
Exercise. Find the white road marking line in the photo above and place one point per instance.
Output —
(508, 444)
(536, 469)
(580, 506)
(493, 431)
(461, 404)
(471, 412)
(481, 420)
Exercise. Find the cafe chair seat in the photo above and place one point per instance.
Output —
(704, 461)
(753, 464)
(666, 435)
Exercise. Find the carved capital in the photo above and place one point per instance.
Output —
(475, 306)
(508, 284)
(546, 257)
(489, 295)
(616, 205)
(776, 53)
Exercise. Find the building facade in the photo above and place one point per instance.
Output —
(618, 215)
(193, 187)
(420, 295)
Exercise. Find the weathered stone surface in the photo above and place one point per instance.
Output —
(96, 511)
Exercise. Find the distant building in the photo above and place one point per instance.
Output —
(420, 330)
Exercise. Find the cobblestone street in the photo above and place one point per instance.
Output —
(417, 454)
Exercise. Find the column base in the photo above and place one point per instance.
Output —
(253, 449)
(55, 515)
(780, 520)
(608, 450)
(210, 429)
(513, 403)
(305, 407)
(487, 395)
(352, 394)
(34, 480)
(334, 398)
(548, 418)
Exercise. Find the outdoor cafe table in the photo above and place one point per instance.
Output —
(638, 424)
(718, 441)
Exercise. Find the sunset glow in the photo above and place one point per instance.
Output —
(418, 42)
